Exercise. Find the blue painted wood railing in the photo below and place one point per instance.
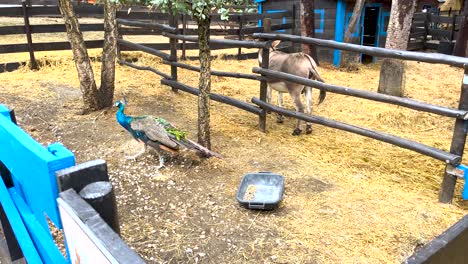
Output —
(33, 195)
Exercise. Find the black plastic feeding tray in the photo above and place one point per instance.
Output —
(261, 190)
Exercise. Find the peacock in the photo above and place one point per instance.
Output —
(157, 133)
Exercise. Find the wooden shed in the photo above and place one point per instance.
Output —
(332, 17)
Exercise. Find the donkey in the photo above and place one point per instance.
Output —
(299, 64)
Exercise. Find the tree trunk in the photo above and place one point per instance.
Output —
(392, 71)
(109, 53)
(205, 81)
(346, 57)
(462, 39)
(80, 56)
(308, 26)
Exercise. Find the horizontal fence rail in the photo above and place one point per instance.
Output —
(216, 73)
(394, 140)
(448, 247)
(409, 103)
(140, 47)
(55, 28)
(215, 97)
(146, 68)
(47, 46)
(141, 21)
(374, 51)
(226, 42)
(97, 11)
(141, 24)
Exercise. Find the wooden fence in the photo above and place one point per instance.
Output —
(240, 26)
(452, 158)
(32, 178)
(428, 31)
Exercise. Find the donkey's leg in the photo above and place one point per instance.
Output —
(280, 118)
(308, 108)
(268, 94)
(296, 96)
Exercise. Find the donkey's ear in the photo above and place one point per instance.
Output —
(275, 43)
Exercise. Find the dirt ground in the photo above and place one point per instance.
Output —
(348, 199)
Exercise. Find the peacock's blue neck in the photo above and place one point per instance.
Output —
(123, 119)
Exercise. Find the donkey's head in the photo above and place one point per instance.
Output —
(274, 44)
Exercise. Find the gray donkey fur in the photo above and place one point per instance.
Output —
(299, 64)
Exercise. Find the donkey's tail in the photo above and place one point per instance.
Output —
(313, 73)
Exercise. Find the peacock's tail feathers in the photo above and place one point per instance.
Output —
(170, 129)
(179, 134)
(199, 148)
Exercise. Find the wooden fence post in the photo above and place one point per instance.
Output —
(263, 84)
(173, 22)
(184, 32)
(452, 32)
(458, 143)
(295, 46)
(100, 195)
(27, 30)
(240, 19)
(91, 181)
(119, 36)
(426, 28)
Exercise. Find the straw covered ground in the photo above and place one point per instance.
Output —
(348, 199)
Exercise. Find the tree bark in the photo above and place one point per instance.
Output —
(308, 26)
(392, 71)
(109, 53)
(462, 39)
(80, 56)
(204, 81)
(346, 57)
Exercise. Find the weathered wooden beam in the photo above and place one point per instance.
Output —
(143, 48)
(265, 65)
(149, 16)
(12, 30)
(184, 32)
(27, 29)
(215, 97)
(374, 51)
(146, 25)
(395, 100)
(227, 42)
(215, 73)
(74, 206)
(46, 46)
(458, 143)
(253, 16)
(173, 22)
(449, 247)
(145, 68)
(239, 35)
(394, 140)
(101, 196)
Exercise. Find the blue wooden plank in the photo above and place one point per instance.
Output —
(33, 169)
(4, 111)
(24, 240)
(42, 238)
(339, 29)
